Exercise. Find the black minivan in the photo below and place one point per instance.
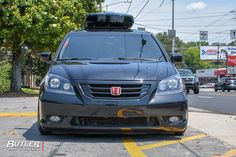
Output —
(109, 78)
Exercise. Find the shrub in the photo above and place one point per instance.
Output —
(5, 69)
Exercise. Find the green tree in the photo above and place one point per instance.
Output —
(167, 42)
(39, 24)
(232, 43)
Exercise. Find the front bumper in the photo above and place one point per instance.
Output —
(230, 87)
(190, 85)
(112, 118)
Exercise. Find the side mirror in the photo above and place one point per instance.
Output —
(176, 57)
(45, 56)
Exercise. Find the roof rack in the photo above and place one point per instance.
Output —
(109, 20)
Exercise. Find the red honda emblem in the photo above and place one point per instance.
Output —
(116, 91)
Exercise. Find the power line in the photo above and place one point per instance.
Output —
(136, 6)
(185, 18)
(181, 32)
(129, 6)
(226, 14)
(194, 10)
(188, 26)
(161, 4)
(118, 6)
(142, 9)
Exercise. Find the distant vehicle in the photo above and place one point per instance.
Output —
(208, 85)
(229, 84)
(219, 83)
(190, 80)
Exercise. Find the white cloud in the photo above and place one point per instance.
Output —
(196, 6)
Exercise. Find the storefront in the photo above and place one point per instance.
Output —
(206, 76)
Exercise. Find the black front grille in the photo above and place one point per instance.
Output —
(127, 90)
(187, 79)
(115, 121)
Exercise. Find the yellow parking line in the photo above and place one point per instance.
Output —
(229, 153)
(126, 129)
(165, 143)
(137, 151)
(18, 114)
(133, 148)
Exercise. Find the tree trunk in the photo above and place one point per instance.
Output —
(16, 72)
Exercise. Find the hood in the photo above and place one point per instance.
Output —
(188, 76)
(113, 71)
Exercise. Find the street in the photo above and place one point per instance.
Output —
(209, 133)
(223, 102)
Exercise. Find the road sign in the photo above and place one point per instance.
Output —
(203, 35)
(171, 33)
(233, 34)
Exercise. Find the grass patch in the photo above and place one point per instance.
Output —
(30, 91)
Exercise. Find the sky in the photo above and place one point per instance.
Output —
(191, 17)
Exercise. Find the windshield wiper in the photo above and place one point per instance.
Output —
(142, 59)
(64, 59)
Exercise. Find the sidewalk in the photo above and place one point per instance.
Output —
(221, 126)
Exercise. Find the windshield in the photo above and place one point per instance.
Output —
(105, 45)
(185, 72)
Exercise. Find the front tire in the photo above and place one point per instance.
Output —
(223, 90)
(187, 91)
(42, 131)
(180, 133)
(196, 90)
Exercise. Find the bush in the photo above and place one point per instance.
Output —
(4, 77)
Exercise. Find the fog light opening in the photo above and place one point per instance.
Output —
(174, 119)
(55, 119)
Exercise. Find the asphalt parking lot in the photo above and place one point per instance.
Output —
(19, 137)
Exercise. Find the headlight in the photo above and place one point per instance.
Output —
(58, 84)
(170, 85)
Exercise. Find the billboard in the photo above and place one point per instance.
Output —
(231, 60)
(211, 52)
(231, 70)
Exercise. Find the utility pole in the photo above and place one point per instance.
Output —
(173, 26)
(218, 60)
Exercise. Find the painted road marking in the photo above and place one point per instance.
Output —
(221, 94)
(229, 153)
(165, 143)
(133, 148)
(137, 151)
(120, 112)
(206, 97)
(18, 114)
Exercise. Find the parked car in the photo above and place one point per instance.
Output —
(190, 80)
(109, 78)
(207, 85)
(229, 84)
(219, 83)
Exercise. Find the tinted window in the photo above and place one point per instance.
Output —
(110, 45)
